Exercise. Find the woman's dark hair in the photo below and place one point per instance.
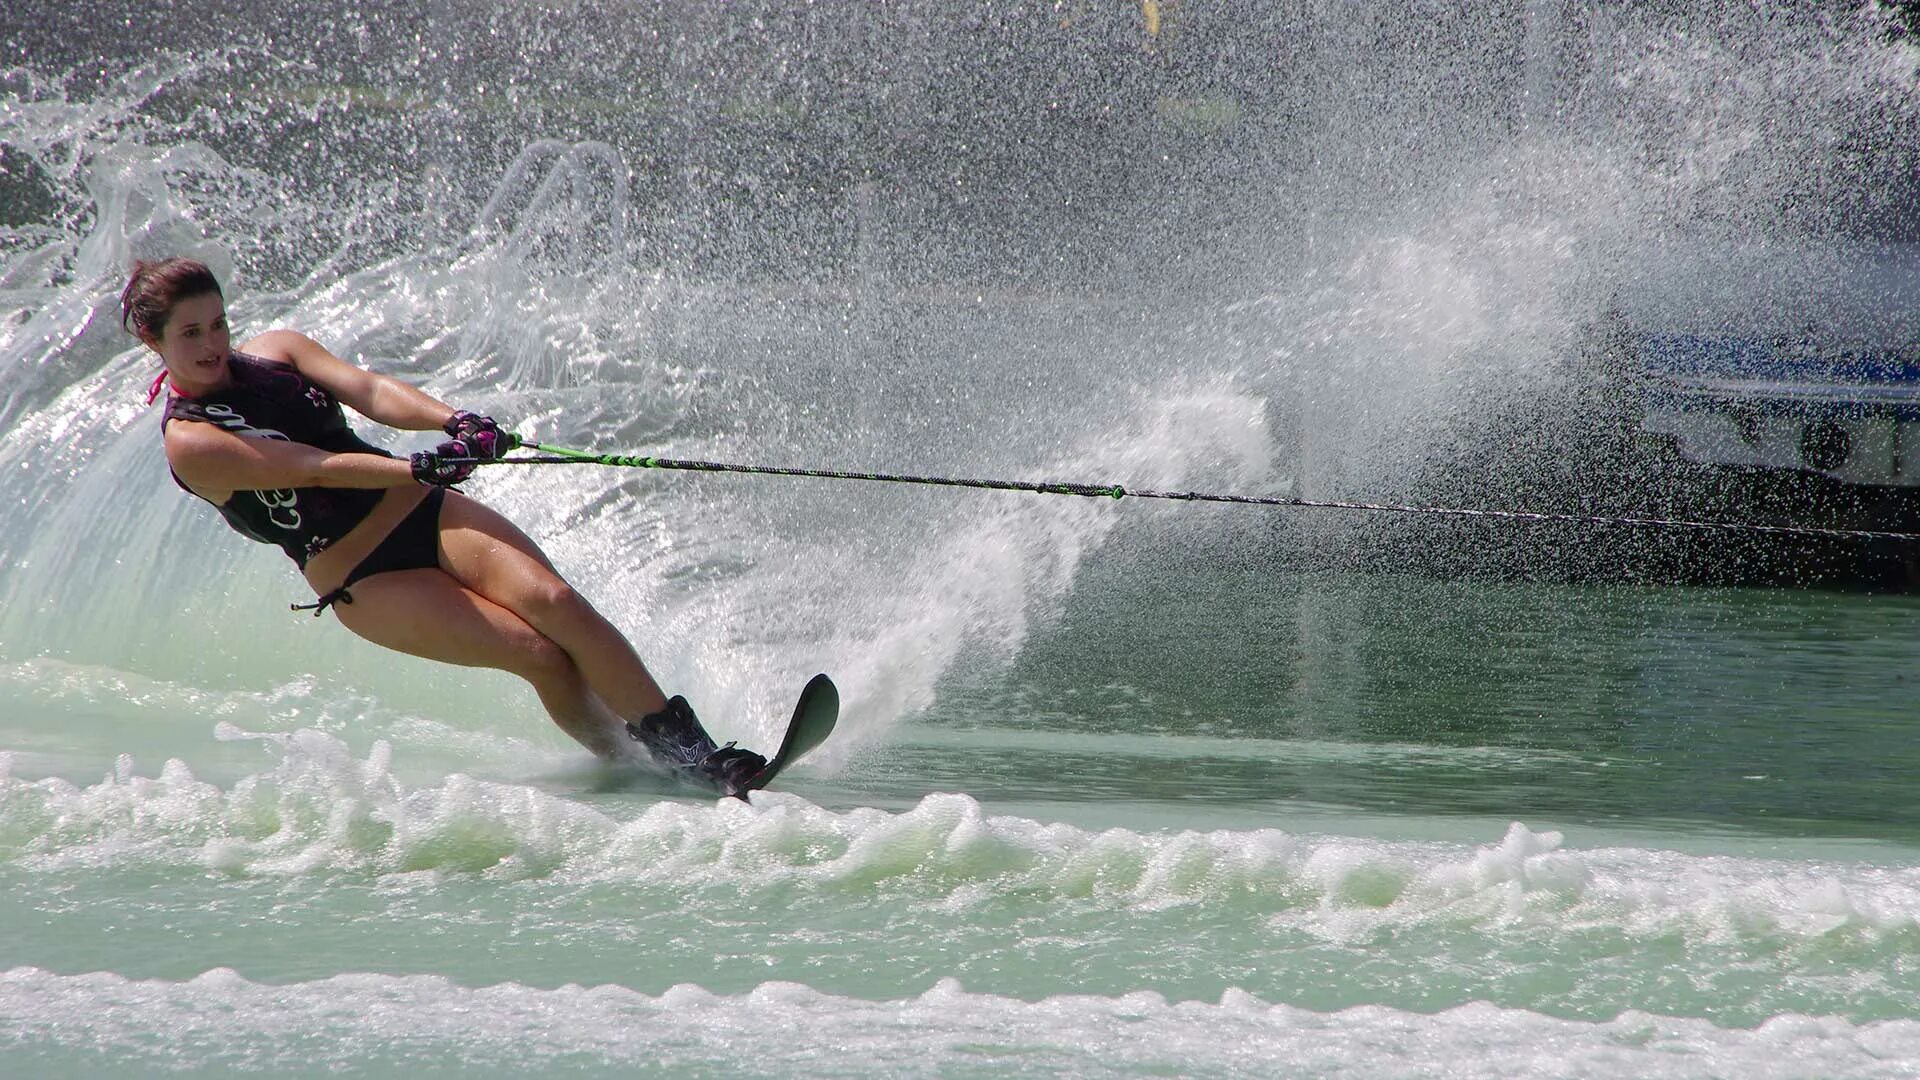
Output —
(155, 287)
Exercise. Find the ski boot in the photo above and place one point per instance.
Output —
(674, 738)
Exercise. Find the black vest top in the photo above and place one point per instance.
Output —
(274, 401)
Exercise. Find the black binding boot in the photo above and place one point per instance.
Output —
(674, 738)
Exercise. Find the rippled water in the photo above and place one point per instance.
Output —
(1103, 876)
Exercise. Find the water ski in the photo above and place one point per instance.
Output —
(675, 739)
(813, 718)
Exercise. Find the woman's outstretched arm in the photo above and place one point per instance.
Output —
(215, 463)
(380, 398)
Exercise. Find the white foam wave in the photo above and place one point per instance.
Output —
(324, 810)
(363, 1022)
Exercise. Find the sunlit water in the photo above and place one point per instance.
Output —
(1120, 788)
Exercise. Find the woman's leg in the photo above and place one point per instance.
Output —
(491, 556)
(427, 613)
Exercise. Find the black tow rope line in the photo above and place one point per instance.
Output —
(546, 454)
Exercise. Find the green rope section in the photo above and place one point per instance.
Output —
(560, 455)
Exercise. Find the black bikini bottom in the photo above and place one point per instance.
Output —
(414, 544)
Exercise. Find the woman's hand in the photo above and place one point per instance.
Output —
(444, 465)
(481, 437)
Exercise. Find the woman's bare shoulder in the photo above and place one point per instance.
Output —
(280, 345)
(183, 437)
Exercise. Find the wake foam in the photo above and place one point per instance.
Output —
(430, 1024)
(323, 810)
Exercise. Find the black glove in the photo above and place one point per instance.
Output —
(481, 436)
(432, 466)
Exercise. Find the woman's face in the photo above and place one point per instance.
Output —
(195, 342)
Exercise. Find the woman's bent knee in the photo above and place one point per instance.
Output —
(554, 603)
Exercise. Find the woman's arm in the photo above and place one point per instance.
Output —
(380, 398)
(215, 463)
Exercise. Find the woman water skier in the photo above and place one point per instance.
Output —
(402, 558)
